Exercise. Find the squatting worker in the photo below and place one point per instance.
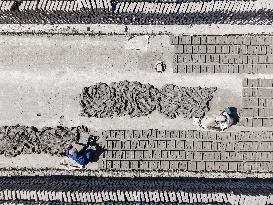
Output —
(222, 121)
(77, 158)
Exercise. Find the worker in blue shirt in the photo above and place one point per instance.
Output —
(77, 158)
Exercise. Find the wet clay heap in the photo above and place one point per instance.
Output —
(136, 99)
(18, 139)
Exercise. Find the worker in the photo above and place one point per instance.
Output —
(223, 121)
(77, 158)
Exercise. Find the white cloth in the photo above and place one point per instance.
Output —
(227, 123)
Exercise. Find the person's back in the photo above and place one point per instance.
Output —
(82, 157)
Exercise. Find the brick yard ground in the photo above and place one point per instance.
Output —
(42, 77)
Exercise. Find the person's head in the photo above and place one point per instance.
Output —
(68, 147)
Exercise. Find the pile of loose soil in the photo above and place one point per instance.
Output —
(119, 99)
(136, 99)
(184, 101)
(18, 139)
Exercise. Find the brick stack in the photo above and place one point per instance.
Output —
(223, 54)
(257, 103)
(157, 191)
(162, 12)
(190, 150)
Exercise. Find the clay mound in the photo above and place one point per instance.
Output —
(18, 139)
(136, 100)
(54, 140)
(119, 99)
(184, 101)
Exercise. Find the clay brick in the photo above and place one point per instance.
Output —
(179, 48)
(137, 134)
(253, 82)
(209, 166)
(249, 102)
(196, 40)
(232, 166)
(189, 155)
(116, 165)
(165, 165)
(174, 165)
(267, 122)
(245, 82)
(266, 82)
(149, 134)
(133, 165)
(139, 154)
(235, 49)
(153, 165)
(174, 154)
(211, 49)
(189, 145)
(265, 112)
(161, 134)
(221, 166)
(249, 112)
(184, 40)
(174, 40)
(192, 166)
(130, 154)
(144, 165)
(182, 165)
(247, 92)
(196, 68)
(181, 68)
(211, 40)
(165, 154)
(188, 49)
(264, 92)
(199, 49)
(201, 166)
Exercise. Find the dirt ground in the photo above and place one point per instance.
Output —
(42, 76)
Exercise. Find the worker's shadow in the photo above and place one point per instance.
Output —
(234, 115)
(98, 151)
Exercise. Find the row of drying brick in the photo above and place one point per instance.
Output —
(133, 197)
(257, 82)
(223, 68)
(190, 135)
(150, 148)
(187, 165)
(262, 112)
(256, 122)
(256, 40)
(252, 102)
(56, 5)
(222, 59)
(225, 49)
(250, 155)
(257, 92)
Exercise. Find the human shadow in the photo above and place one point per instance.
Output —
(98, 151)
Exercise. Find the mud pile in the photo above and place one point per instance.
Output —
(184, 101)
(18, 139)
(135, 99)
(119, 99)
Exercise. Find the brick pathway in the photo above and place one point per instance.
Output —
(223, 54)
(188, 150)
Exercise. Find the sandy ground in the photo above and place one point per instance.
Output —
(41, 78)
